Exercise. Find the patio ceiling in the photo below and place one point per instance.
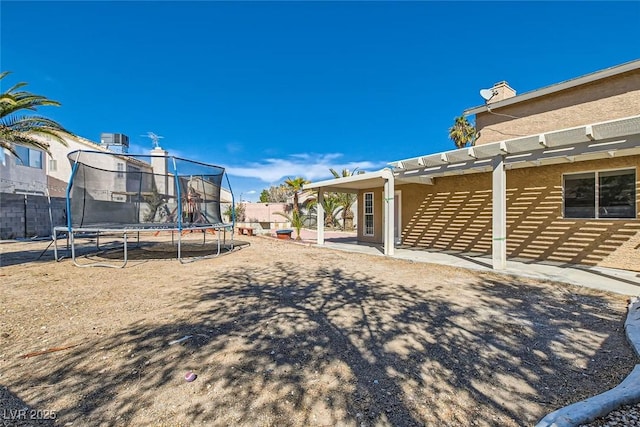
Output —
(351, 184)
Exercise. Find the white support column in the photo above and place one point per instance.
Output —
(320, 224)
(389, 212)
(499, 214)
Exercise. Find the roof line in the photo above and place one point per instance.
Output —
(557, 87)
(385, 173)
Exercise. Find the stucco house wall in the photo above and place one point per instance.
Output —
(378, 213)
(537, 229)
(58, 165)
(455, 214)
(18, 178)
(452, 214)
(612, 98)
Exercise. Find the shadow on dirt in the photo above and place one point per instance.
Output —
(284, 345)
(16, 413)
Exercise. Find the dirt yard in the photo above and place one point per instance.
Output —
(281, 334)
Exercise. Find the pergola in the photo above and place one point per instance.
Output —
(614, 138)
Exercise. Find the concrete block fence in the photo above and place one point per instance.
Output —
(27, 216)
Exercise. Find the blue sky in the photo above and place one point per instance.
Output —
(272, 90)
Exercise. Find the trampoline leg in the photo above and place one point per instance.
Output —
(125, 248)
(98, 264)
(193, 259)
(55, 246)
(72, 242)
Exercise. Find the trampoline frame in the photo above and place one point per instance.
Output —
(125, 229)
(137, 229)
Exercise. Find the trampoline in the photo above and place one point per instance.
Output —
(125, 194)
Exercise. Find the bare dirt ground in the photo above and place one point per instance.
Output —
(281, 334)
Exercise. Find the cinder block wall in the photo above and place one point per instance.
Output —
(28, 216)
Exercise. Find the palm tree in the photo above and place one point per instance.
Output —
(238, 213)
(295, 185)
(28, 129)
(331, 206)
(462, 132)
(346, 200)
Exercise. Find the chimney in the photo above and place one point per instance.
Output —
(501, 91)
(159, 163)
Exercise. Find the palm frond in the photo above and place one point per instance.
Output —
(27, 130)
(24, 140)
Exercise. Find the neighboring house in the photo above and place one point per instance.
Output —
(25, 174)
(39, 171)
(33, 186)
(59, 166)
(36, 173)
(24, 207)
(553, 176)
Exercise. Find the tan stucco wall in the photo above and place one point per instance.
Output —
(613, 98)
(455, 214)
(378, 215)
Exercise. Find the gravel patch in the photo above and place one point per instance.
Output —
(627, 415)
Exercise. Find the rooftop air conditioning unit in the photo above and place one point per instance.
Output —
(116, 142)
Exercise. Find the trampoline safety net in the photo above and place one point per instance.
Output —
(111, 190)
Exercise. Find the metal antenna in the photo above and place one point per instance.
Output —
(154, 138)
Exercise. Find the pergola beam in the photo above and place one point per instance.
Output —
(320, 220)
(389, 214)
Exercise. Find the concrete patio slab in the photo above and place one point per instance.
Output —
(606, 279)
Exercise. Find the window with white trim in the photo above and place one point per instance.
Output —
(600, 194)
(53, 165)
(368, 214)
(120, 173)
